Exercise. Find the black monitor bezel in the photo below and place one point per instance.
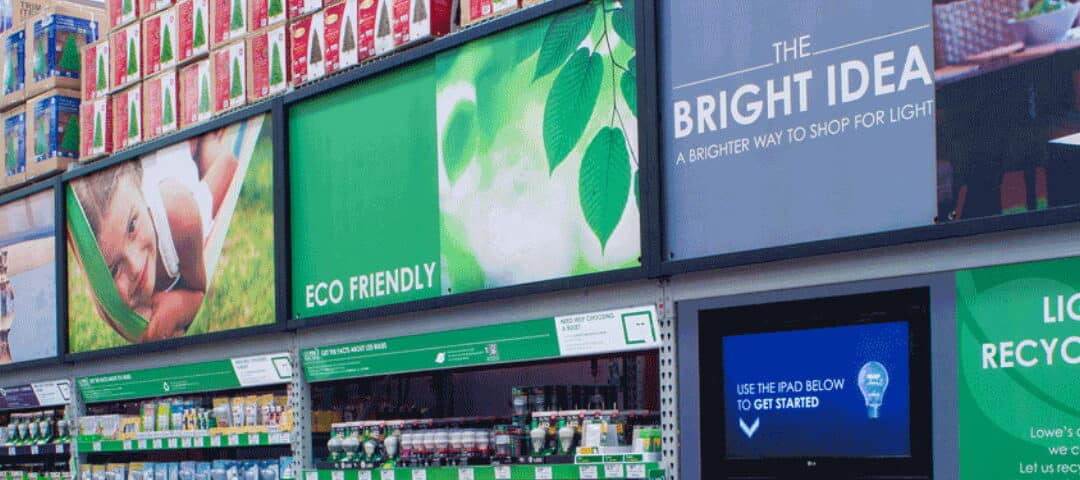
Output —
(891, 305)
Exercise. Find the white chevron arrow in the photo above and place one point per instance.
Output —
(749, 430)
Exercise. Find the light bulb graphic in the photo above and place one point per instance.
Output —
(873, 380)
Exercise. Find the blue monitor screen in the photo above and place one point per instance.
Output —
(824, 392)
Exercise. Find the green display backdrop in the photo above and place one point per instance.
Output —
(510, 160)
(1019, 405)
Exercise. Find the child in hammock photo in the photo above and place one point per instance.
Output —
(152, 219)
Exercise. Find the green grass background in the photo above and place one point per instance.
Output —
(242, 293)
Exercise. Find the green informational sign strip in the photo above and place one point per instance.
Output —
(185, 443)
(573, 335)
(181, 379)
(628, 471)
(1019, 360)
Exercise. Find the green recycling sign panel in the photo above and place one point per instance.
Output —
(627, 329)
(181, 379)
(1019, 360)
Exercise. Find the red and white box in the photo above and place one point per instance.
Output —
(95, 70)
(96, 132)
(194, 19)
(410, 21)
(196, 93)
(160, 115)
(121, 12)
(160, 41)
(265, 13)
(339, 22)
(473, 11)
(150, 7)
(229, 78)
(268, 72)
(126, 112)
(299, 8)
(125, 49)
(307, 51)
(228, 21)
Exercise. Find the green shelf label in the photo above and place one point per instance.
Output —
(181, 379)
(629, 471)
(184, 443)
(610, 331)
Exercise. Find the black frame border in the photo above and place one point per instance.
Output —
(647, 142)
(60, 271)
(269, 107)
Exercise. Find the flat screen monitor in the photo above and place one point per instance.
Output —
(833, 387)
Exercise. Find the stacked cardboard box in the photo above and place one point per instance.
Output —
(40, 77)
(170, 64)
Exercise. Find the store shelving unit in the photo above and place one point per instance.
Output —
(47, 458)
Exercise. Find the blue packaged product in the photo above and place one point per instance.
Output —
(15, 143)
(56, 127)
(13, 71)
(56, 47)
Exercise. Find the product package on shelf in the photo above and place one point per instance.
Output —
(196, 94)
(120, 13)
(160, 39)
(410, 21)
(125, 47)
(265, 13)
(14, 146)
(159, 104)
(61, 31)
(13, 75)
(96, 129)
(307, 57)
(126, 111)
(150, 7)
(268, 72)
(95, 70)
(229, 63)
(194, 29)
(54, 118)
(299, 8)
(339, 31)
(13, 13)
(228, 21)
(473, 11)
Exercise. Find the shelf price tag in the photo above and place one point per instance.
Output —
(635, 470)
(386, 475)
(419, 474)
(156, 444)
(363, 474)
(60, 448)
(588, 472)
(215, 441)
(96, 446)
(142, 444)
(11, 451)
(614, 470)
(185, 442)
(311, 476)
(502, 472)
(253, 439)
(337, 475)
(279, 437)
(127, 445)
(544, 473)
(173, 443)
(234, 440)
